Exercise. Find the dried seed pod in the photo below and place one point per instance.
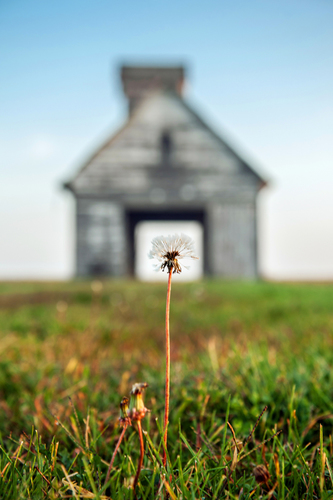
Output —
(124, 418)
(261, 474)
(137, 409)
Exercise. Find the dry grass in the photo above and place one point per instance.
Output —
(259, 344)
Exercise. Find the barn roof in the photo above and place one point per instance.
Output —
(134, 151)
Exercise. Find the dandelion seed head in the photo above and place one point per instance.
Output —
(168, 250)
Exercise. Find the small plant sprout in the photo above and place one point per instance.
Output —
(137, 411)
(124, 421)
(169, 251)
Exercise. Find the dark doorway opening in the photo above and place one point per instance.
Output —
(136, 216)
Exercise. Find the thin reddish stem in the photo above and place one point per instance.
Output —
(115, 453)
(167, 368)
(142, 449)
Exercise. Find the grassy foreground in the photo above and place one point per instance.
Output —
(69, 354)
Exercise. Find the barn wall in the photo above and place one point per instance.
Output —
(101, 238)
(103, 246)
(232, 240)
(130, 174)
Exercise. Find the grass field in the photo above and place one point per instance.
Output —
(68, 355)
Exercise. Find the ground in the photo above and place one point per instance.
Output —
(71, 351)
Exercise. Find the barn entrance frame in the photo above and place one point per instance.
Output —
(133, 217)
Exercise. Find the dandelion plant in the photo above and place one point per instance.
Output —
(134, 411)
(137, 411)
(168, 251)
(124, 421)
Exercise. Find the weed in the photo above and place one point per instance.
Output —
(230, 358)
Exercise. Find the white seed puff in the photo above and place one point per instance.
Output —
(168, 250)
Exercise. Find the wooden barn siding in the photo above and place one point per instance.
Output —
(101, 237)
(139, 184)
(232, 240)
(231, 232)
(203, 174)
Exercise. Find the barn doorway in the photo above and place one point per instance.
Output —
(144, 226)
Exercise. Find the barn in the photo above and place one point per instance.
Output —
(165, 163)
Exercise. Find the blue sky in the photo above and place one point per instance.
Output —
(259, 71)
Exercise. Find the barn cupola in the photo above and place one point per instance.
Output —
(140, 81)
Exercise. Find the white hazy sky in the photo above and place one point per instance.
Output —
(260, 72)
(149, 270)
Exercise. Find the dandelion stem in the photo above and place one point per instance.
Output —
(115, 453)
(167, 368)
(141, 456)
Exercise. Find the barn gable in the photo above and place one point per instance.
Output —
(165, 163)
(163, 132)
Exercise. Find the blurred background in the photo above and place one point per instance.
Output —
(260, 73)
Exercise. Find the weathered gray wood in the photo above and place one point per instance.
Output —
(233, 248)
(164, 158)
(101, 238)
